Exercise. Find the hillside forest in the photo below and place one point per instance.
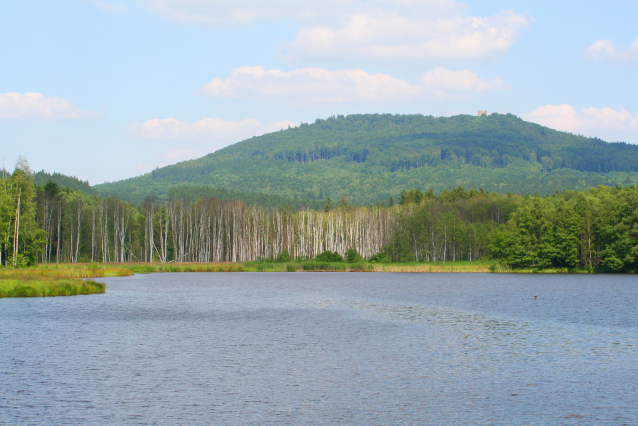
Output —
(371, 157)
(595, 229)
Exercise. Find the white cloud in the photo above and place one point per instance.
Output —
(198, 138)
(107, 7)
(382, 35)
(36, 106)
(306, 86)
(216, 132)
(450, 84)
(606, 123)
(369, 29)
(607, 50)
(309, 85)
(228, 12)
(170, 157)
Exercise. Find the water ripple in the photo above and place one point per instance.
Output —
(327, 349)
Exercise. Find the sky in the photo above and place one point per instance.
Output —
(110, 89)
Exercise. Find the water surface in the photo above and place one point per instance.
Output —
(325, 348)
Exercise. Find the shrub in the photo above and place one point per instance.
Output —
(283, 256)
(353, 256)
(329, 256)
(381, 257)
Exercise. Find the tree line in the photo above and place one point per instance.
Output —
(595, 229)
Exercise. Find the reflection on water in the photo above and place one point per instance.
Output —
(325, 349)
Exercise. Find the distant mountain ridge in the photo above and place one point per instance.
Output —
(370, 157)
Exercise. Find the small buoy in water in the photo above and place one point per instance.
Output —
(535, 297)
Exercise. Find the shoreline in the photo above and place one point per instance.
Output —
(66, 279)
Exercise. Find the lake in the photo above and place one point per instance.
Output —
(325, 349)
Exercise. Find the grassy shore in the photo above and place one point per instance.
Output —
(43, 288)
(459, 266)
(71, 279)
(141, 268)
(454, 266)
(57, 280)
(314, 266)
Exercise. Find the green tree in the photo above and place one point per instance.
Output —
(353, 256)
(20, 237)
(329, 256)
(328, 206)
(283, 256)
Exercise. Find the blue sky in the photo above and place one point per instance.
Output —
(109, 89)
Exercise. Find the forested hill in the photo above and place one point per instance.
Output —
(372, 157)
(41, 178)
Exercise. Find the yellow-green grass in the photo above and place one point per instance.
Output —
(316, 266)
(43, 288)
(141, 268)
(469, 267)
(65, 270)
(433, 267)
(548, 271)
(56, 279)
(459, 266)
(308, 266)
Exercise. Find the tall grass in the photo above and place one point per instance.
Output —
(308, 266)
(143, 268)
(316, 266)
(458, 266)
(324, 266)
(56, 280)
(63, 270)
(266, 266)
(43, 288)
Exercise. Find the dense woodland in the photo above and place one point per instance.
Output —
(42, 177)
(372, 157)
(595, 229)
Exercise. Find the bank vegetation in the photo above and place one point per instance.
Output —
(592, 230)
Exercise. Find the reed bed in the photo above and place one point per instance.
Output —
(307, 266)
(46, 288)
(324, 266)
(263, 266)
(548, 271)
(62, 271)
(431, 268)
(146, 268)
(57, 280)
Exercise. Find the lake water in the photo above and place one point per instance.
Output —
(325, 348)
